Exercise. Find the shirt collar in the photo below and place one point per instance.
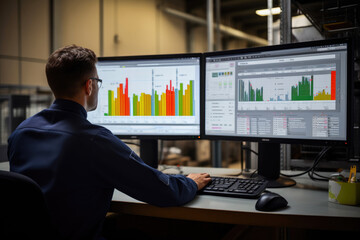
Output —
(70, 106)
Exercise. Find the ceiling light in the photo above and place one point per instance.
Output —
(266, 12)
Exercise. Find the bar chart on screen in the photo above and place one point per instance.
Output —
(148, 93)
(277, 92)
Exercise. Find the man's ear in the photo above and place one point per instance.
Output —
(88, 87)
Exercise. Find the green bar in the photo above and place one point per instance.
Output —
(156, 104)
(135, 100)
(181, 94)
(259, 94)
(110, 94)
(304, 91)
(191, 98)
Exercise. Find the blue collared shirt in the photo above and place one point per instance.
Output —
(78, 164)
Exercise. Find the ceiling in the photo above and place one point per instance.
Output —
(328, 16)
(239, 14)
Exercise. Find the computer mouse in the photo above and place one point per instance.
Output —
(270, 202)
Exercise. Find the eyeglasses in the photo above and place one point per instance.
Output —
(99, 81)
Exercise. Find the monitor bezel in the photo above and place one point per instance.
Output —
(162, 57)
(350, 97)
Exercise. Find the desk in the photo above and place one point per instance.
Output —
(308, 207)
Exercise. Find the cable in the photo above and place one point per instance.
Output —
(312, 168)
(311, 171)
(249, 149)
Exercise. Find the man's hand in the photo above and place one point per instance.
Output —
(201, 179)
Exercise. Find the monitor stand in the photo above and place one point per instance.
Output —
(269, 165)
(149, 152)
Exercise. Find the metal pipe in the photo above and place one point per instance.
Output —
(270, 22)
(223, 29)
(285, 21)
(218, 34)
(210, 25)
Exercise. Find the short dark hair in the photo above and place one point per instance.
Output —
(68, 68)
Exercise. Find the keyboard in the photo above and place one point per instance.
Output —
(235, 187)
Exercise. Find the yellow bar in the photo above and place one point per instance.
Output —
(142, 102)
(138, 108)
(112, 104)
(163, 98)
(117, 112)
(188, 100)
(148, 105)
(160, 107)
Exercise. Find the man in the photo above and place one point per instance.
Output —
(78, 164)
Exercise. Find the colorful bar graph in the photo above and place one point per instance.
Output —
(171, 102)
(299, 90)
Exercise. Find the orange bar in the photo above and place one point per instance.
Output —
(333, 85)
(116, 106)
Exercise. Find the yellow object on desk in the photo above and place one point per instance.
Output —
(352, 176)
(344, 192)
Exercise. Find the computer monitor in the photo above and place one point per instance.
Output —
(148, 98)
(291, 93)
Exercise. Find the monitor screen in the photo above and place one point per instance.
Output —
(149, 96)
(285, 93)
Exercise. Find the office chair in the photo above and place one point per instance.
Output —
(23, 210)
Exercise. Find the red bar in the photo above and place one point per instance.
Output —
(167, 101)
(333, 85)
(127, 100)
(173, 101)
(121, 100)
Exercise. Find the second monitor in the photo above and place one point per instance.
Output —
(292, 93)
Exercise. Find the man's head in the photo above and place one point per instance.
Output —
(69, 71)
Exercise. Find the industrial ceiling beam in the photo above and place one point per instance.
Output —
(223, 29)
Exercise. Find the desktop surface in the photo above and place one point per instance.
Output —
(308, 207)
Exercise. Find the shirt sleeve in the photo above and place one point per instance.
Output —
(117, 166)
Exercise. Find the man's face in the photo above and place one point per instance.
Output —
(93, 98)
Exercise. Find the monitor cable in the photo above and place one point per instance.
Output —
(252, 151)
(311, 171)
